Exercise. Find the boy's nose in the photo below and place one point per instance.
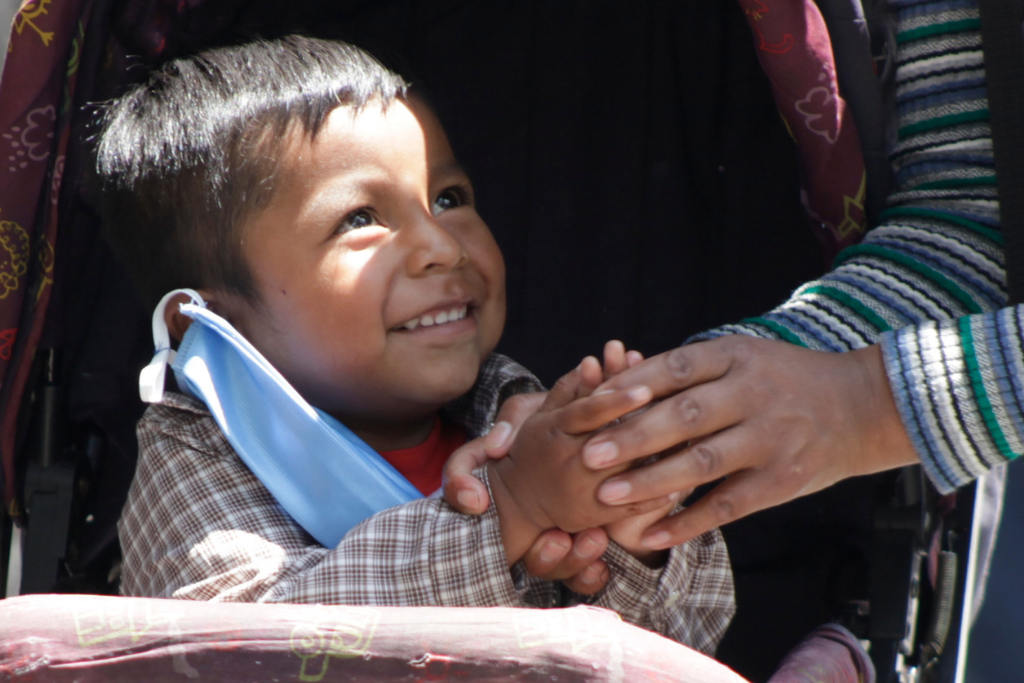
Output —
(432, 248)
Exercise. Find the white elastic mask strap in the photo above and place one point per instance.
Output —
(151, 379)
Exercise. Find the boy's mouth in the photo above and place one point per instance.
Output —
(436, 317)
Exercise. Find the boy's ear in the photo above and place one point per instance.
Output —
(178, 322)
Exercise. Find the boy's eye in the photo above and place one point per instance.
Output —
(451, 198)
(360, 218)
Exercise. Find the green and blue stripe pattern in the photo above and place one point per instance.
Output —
(936, 257)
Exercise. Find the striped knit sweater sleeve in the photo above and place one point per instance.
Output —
(936, 256)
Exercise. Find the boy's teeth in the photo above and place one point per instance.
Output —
(438, 319)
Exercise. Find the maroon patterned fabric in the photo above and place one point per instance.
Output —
(795, 51)
(35, 97)
(87, 638)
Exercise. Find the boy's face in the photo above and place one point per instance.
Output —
(370, 235)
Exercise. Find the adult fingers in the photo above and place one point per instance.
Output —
(736, 497)
(697, 412)
(680, 368)
(683, 468)
(611, 514)
(811, 419)
(587, 414)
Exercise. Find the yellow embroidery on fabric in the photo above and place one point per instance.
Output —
(46, 266)
(345, 634)
(93, 626)
(31, 10)
(854, 223)
(13, 256)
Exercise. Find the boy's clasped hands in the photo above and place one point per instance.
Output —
(540, 486)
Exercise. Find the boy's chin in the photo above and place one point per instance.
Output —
(454, 387)
(424, 405)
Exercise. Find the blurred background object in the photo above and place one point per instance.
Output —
(8, 8)
(995, 654)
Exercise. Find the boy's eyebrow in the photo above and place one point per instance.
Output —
(346, 192)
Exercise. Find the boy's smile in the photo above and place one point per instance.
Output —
(381, 288)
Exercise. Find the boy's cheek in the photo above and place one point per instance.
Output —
(492, 323)
(490, 266)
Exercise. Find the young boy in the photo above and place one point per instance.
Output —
(318, 209)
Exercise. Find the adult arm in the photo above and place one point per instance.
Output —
(936, 256)
(959, 388)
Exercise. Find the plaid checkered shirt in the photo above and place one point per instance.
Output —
(199, 525)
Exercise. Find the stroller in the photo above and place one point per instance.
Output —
(646, 131)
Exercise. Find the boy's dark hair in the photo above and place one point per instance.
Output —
(184, 159)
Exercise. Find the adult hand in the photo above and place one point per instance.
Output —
(777, 420)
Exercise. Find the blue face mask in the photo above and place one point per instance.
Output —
(323, 475)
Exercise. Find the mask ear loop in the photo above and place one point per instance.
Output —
(151, 379)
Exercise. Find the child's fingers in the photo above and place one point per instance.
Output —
(462, 490)
(498, 440)
(467, 494)
(737, 496)
(594, 412)
(564, 392)
(614, 358)
(633, 358)
(589, 581)
(662, 503)
(590, 376)
(514, 412)
(627, 532)
(546, 553)
(465, 459)
(556, 555)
